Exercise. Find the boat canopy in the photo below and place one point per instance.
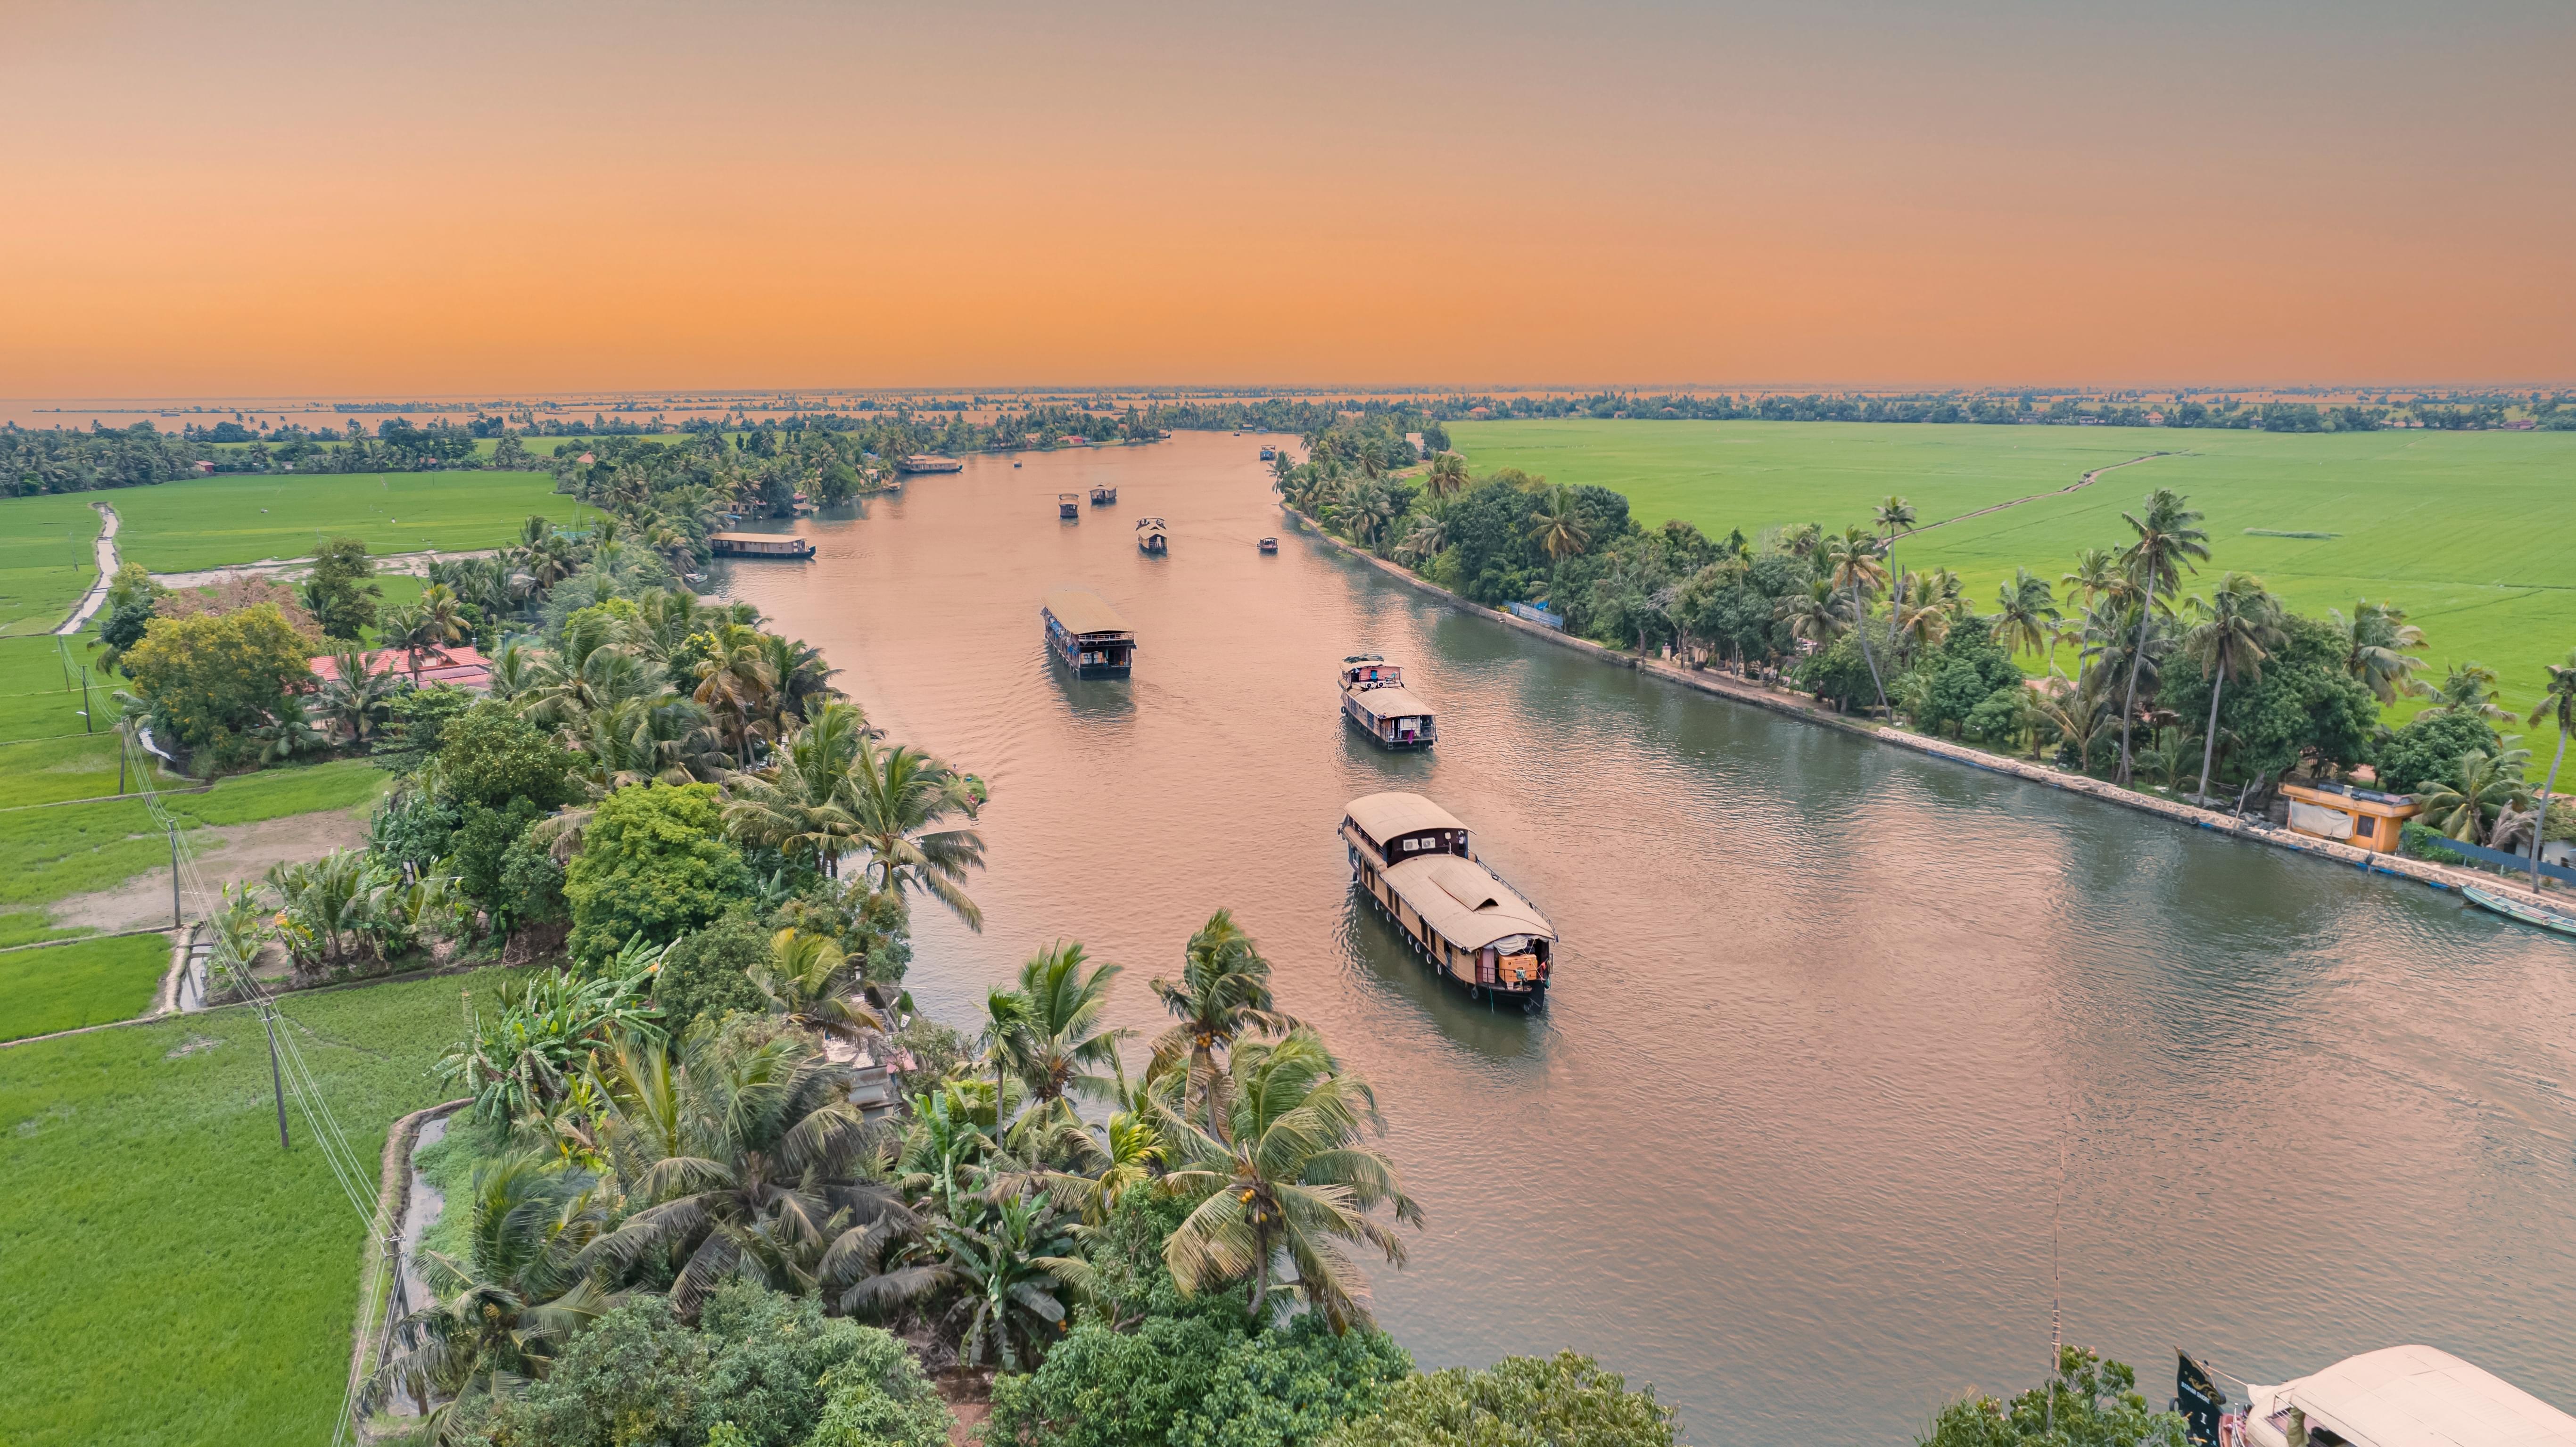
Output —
(2415, 1396)
(1080, 610)
(1464, 903)
(1392, 701)
(1384, 816)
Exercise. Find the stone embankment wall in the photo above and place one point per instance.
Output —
(1802, 706)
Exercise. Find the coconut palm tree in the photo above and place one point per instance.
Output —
(738, 1161)
(1802, 541)
(2469, 688)
(1815, 616)
(1896, 516)
(799, 804)
(1446, 477)
(358, 697)
(811, 982)
(2074, 711)
(2169, 537)
(1851, 560)
(734, 683)
(2025, 608)
(1067, 1042)
(804, 679)
(1430, 533)
(2558, 705)
(1559, 530)
(2375, 640)
(1222, 995)
(2240, 626)
(1008, 1045)
(898, 798)
(1283, 1176)
(2097, 576)
(2480, 787)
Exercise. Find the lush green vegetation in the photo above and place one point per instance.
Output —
(89, 982)
(48, 559)
(76, 766)
(47, 854)
(210, 522)
(2465, 531)
(262, 1286)
(2089, 1403)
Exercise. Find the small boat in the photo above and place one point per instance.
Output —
(1268, 545)
(1270, 454)
(1103, 496)
(2548, 919)
(1411, 857)
(1150, 537)
(758, 545)
(1374, 698)
(1084, 631)
(1069, 505)
(1015, 464)
(2405, 1396)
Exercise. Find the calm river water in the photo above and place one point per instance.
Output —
(1787, 1140)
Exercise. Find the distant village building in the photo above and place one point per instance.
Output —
(461, 665)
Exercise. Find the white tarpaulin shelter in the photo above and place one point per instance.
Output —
(2411, 1396)
(2328, 823)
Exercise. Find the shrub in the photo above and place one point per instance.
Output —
(707, 972)
(2428, 749)
(654, 863)
(2094, 1403)
(489, 755)
(1561, 1401)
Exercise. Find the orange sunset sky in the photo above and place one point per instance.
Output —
(300, 198)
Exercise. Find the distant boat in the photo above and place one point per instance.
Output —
(929, 462)
(1269, 545)
(2547, 919)
(1374, 698)
(1069, 505)
(759, 545)
(1150, 536)
(1269, 454)
(1103, 495)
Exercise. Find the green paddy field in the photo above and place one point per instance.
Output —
(2473, 533)
(215, 521)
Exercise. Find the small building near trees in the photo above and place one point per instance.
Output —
(2362, 818)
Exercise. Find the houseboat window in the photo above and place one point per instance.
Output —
(2361, 826)
(1411, 845)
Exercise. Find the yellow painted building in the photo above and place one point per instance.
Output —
(2356, 817)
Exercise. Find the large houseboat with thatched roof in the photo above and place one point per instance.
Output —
(1413, 860)
(1088, 634)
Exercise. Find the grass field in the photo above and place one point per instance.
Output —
(173, 1277)
(214, 521)
(47, 559)
(88, 983)
(49, 853)
(2470, 532)
(79, 766)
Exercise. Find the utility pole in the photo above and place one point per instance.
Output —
(174, 874)
(2056, 1351)
(120, 759)
(268, 1018)
(89, 725)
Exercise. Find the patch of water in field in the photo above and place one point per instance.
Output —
(1785, 1142)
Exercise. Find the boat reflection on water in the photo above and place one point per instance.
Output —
(1387, 969)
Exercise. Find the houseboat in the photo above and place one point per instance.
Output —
(2408, 1396)
(1150, 537)
(930, 462)
(1069, 505)
(1270, 454)
(1103, 496)
(759, 545)
(1411, 857)
(1374, 698)
(1088, 634)
(1268, 545)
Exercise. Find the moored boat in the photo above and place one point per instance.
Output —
(2408, 1396)
(1088, 634)
(1150, 537)
(1413, 860)
(1068, 505)
(930, 462)
(1375, 699)
(758, 545)
(1103, 495)
(2514, 909)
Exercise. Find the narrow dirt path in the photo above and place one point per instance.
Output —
(89, 605)
(413, 565)
(2077, 486)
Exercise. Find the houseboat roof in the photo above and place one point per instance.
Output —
(1394, 700)
(1082, 611)
(1464, 902)
(2420, 1396)
(1384, 816)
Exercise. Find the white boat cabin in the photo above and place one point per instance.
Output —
(2409, 1396)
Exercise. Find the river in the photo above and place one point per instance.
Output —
(1827, 1018)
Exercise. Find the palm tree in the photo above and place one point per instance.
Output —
(1802, 541)
(734, 682)
(445, 615)
(2025, 609)
(799, 805)
(1011, 1272)
(406, 627)
(1560, 531)
(1430, 533)
(1815, 616)
(2469, 688)
(898, 798)
(739, 1162)
(1223, 994)
(1446, 477)
(1852, 562)
(2096, 576)
(2479, 787)
(810, 981)
(1896, 515)
(2375, 640)
(1007, 1045)
(2239, 628)
(1066, 1041)
(2074, 711)
(2558, 705)
(2168, 539)
(1282, 1174)
(358, 696)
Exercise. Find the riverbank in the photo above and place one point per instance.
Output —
(1806, 708)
